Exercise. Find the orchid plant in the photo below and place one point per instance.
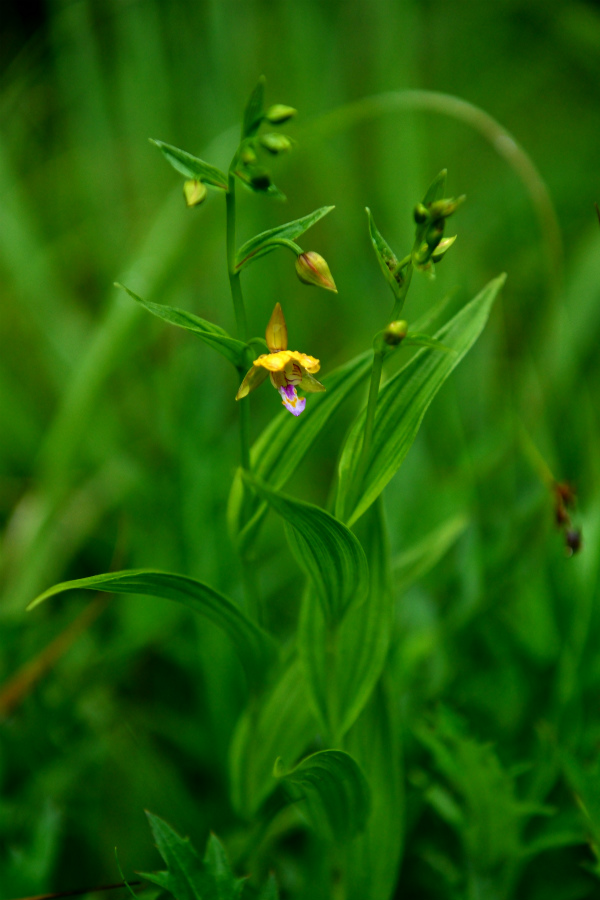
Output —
(319, 742)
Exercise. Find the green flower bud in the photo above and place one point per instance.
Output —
(421, 213)
(248, 156)
(276, 143)
(279, 114)
(260, 179)
(395, 332)
(194, 192)
(442, 248)
(311, 268)
(441, 209)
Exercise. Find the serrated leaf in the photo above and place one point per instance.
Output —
(254, 646)
(403, 402)
(385, 256)
(334, 792)
(191, 166)
(186, 878)
(372, 859)
(217, 865)
(280, 723)
(328, 552)
(254, 112)
(283, 444)
(341, 671)
(436, 189)
(260, 244)
(213, 335)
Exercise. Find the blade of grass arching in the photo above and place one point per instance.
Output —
(26, 262)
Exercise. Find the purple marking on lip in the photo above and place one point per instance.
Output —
(292, 403)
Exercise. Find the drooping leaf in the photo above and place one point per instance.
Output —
(403, 402)
(213, 335)
(328, 552)
(283, 444)
(280, 723)
(254, 112)
(373, 858)
(385, 255)
(191, 166)
(186, 877)
(415, 562)
(262, 244)
(333, 791)
(254, 646)
(342, 670)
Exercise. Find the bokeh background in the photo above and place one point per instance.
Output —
(118, 435)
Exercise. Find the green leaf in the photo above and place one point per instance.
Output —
(255, 110)
(262, 244)
(213, 335)
(283, 444)
(385, 256)
(217, 865)
(342, 669)
(254, 646)
(280, 723)
(436, 189)
(372, 860)
(191, 166)
(186, 878)
(410, 566)
(269, 890)
(403, 402)
(416, 339)
(333, 791)
(328, 552)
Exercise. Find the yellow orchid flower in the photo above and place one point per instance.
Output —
(288, 369)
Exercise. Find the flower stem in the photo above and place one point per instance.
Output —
(240, 315)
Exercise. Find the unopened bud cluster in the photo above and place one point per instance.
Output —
(249, 169)
(430, 219)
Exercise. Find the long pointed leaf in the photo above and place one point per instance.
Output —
(186, 878)
(254, 646)
(213, 335)
(191, 166)
(403, 402)
(261, 244)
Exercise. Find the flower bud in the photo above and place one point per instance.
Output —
(395, 332)
(442, 248)
(311, 268)
(276, 143)
(248, 156)
(279, 114)
(421, 213)
(573, 541)
(194, 192)
(260, 179)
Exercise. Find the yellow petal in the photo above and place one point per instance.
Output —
(254, 377)
(307, 362)
(274, 362)
(277, 337)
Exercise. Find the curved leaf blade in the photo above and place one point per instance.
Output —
(254, 646)
(333, 790)
(191, 166)
(260, 244)
(213, 335)
(342, 672)
(328, 552)
(385, 255)
(186, 878)
(254, 112)
(403, 402)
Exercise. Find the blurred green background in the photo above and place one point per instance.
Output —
(118, 436)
